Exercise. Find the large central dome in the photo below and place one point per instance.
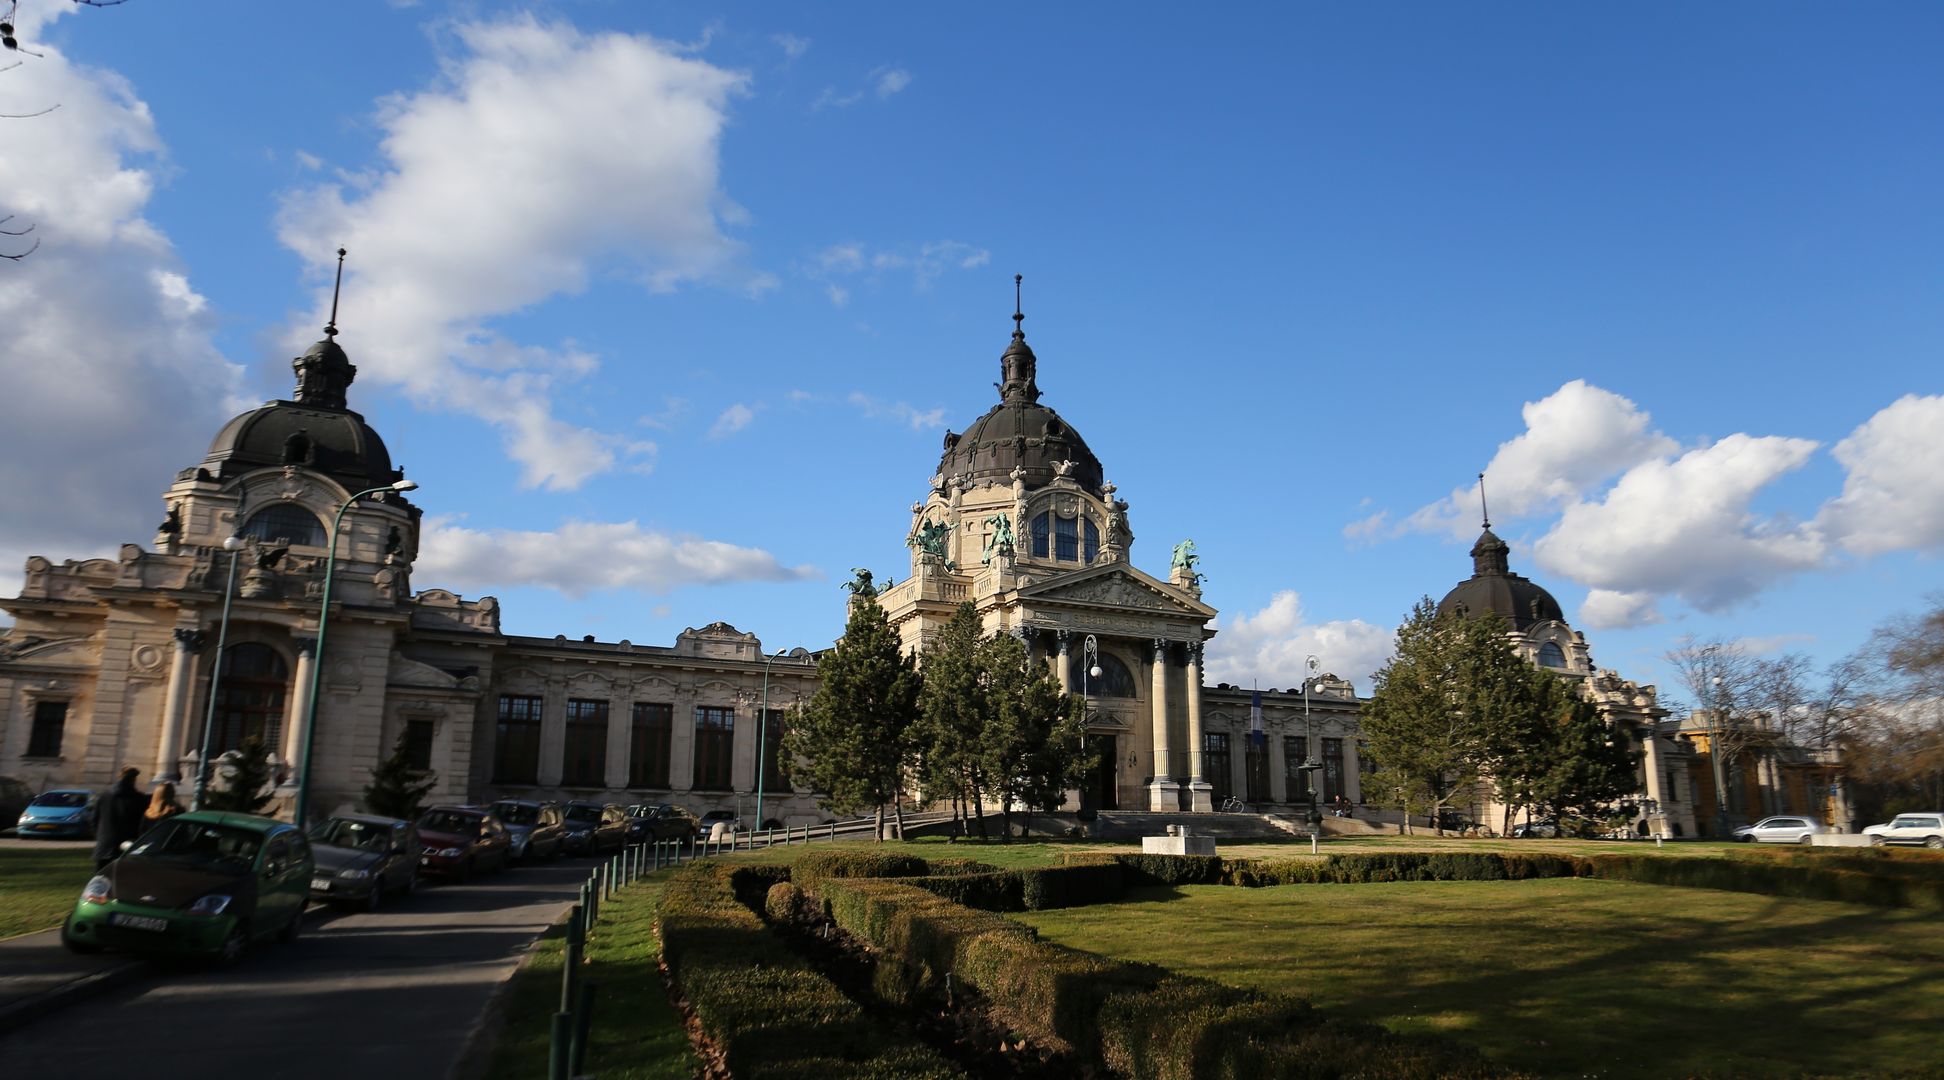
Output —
(1494, 587)
(1020, 433)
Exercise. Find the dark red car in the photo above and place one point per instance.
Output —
(460, 841)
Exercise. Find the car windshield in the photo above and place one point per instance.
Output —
(66, 800)
(199, 842)
(362, 836)
(451, 821)
(515, 813)
(583, 813)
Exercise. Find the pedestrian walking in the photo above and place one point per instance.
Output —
(162, 805)
(118, 818)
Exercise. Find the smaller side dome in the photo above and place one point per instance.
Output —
(1493, 587)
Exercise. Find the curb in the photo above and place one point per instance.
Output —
(72, 992)
(476, 1056)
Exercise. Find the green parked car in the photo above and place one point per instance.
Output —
(198, 884)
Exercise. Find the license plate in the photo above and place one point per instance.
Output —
(42, 827)
(137, 922)
(320, 884)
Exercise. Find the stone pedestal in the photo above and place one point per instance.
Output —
(1177, 842)
(1201, 797)
(1164, 796)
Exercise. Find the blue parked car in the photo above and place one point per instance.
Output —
(63, 812)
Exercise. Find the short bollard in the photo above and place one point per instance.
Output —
(583, 1025)
(570, 967)
(560, 1051)
(1313, 848)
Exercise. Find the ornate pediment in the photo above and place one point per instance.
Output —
(1120, 587)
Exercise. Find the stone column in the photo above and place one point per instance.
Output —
(1654, 775)
(1352, 770)
(1163, 793)
(300, 707)
(1201, 793)
(176, 703)
(553, 732)
(681, 742)
(1064, 670)
(1278, 767)
(619, 743)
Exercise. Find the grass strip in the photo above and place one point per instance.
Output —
(636, 1033)
(38, 886)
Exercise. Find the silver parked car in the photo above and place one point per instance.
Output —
(1925, 829)
(360, 858)
(1782, 829)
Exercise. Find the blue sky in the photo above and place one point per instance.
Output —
(669, 306)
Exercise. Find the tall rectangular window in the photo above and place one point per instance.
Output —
(584, 759)
(1332, 769)
(418, 744)
(1042, 527)
(1255, 769)
(715, 745)
(516, 743)
(50, 721)
(1215, 764)
(1295, 777)
(776, 768)
(648, 740)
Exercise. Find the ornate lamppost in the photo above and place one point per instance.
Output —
(317, 660)
(233, 545)
(1311, 763)
(1715, 730)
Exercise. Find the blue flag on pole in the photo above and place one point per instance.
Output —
(1256, 734)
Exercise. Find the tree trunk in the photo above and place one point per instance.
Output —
(978, 807)
(897, 807)
(1005, 818)
(880, 823)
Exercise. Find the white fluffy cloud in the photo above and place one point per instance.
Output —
(1271, 645)
(109, 380)
(1683, 527)
(1893, 497)
(505, 185)
(1608, 609)
(901, 411)
(1576, 438)
(733, 419)
(581, 557)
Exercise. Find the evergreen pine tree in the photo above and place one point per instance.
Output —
(1033, 741)
(398, 788)
(853, 736)
(952, 712)
(244, 786)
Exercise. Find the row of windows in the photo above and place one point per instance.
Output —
(651, 730)
(1217, 764)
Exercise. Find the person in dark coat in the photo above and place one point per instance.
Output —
(118, 817)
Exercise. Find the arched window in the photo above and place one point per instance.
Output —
(250, 701)
(1551, 655)
(1065, 539)
(1114, 679)
(1042, 529)
(1089, 540)
(285, 523)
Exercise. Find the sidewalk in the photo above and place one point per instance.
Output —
(38, 975)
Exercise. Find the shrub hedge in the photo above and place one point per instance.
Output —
(766, 1009)
(818, 865)
(1854, 877)
(1030, 890)
(1134, 1019)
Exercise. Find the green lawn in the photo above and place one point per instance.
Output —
(38, 886)
(637, 1034)
(1566, 976)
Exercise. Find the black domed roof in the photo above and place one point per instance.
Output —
(1019, 432)
(315, 431)
(1493, 587)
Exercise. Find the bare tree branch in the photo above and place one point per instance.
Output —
(31, 115)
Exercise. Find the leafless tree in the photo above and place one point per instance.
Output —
(1897, 739)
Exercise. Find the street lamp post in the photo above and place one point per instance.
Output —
(233, 545)
(1311, 764)
(1090, 656)
(317, 658)
(762, 736)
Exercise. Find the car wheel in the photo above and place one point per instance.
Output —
(411, 884)
(1804, 839)
(235, 943)
(376, 896)
(1876, 841)
(74, 944)
(465, 870)
(292, 928)
(1934, 842)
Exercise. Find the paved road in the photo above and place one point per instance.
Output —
(393, 993)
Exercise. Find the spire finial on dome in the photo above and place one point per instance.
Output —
(1481, 501)
(330, 328)
(1019, 317)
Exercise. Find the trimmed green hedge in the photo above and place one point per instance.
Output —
(1134, 1019)
(1852, 877)
(1030, 890)
(818, 865)
(765, 1008)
